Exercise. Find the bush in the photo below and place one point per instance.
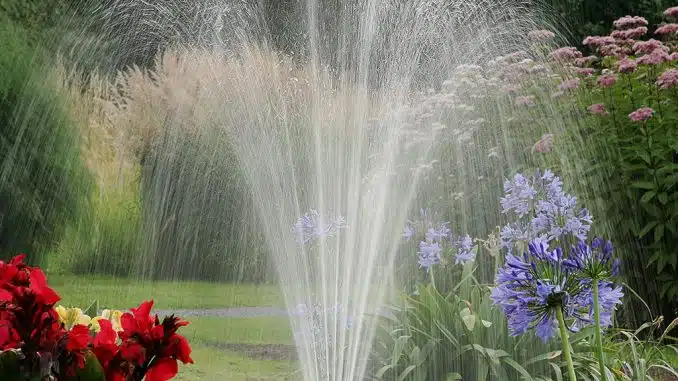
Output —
(630, 163)
(42, 178)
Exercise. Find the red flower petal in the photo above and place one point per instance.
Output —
(78, 338)
(183, 350)
(40, 288)
(6, 296)
(162, 370)
(18, 260)
(133, 352)
(143, 315)
(128, 323)
(158, 332)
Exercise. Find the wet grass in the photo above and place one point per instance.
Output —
(125, 293)
(259, 330)
(238, 349)
(219, 365)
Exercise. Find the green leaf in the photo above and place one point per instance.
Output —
(518, 368)
(468, 318)
(9, 366)
(647, 228)
(398, 348)
(659, 232)
(380, 373)
(645, 156)
(453, 377)
(648, 196)
(543, 357)
(406, 372)
(663, 198)
(557, 371)
(93, 309)
(643, 185)
(92, 370)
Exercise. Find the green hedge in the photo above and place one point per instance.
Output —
(42, 178)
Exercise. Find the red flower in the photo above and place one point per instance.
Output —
(108, 353)
(78, 338)
(39, 286)
(105, 343)
(153, 347)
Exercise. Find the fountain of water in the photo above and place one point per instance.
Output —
(346, 131)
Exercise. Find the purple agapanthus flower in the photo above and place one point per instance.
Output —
(312, 226)
(593, 261)
(541, 209)
(435, 239)
(465, 252)
(529, 289)
(429, 254)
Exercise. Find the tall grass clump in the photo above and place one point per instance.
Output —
(197, 216)
(105, 238)
(42, 177)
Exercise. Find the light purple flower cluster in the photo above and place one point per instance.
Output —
(312, 226)
(436, 237)
(541, 210)
(530, 289)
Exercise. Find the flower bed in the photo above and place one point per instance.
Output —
(41, 341)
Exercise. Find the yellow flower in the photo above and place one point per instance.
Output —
(72, 316)
(111, 315)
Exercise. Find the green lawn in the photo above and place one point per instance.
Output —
(259, 330)
(126, 293)
(219, 365)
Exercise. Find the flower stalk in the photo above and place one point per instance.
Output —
(566, 344)
(598, 336)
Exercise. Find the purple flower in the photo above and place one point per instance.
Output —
(408, 233)
(465, 252)
(593, 261)
(542, 209)
(311, 226)
(519, 195)
(436, 240)
(438, 233)
(529, 290)
(429, 254)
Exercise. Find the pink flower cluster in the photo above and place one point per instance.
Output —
(667, 29)
(649, 46)
(628, 22)
(541, 35)
(583, 61)
(629, 33)
(598, 41)
(627, 65)
(641, 115)
(607, 80)
(655, 58)
(570, 84)
(668, 79)
(585, 71)
(565, 54)
(671, 12)
(598, 109)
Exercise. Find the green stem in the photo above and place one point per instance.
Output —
(430, 274)
(599, 339)
(566, 344)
